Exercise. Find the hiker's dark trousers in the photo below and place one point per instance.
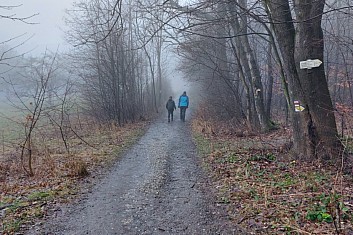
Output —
(170, 115)
(182, 113)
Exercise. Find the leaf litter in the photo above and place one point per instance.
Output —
(267, 192)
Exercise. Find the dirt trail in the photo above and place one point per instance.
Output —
(156, 188)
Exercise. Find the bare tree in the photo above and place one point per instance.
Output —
(110, 63)
(8, 53)
(31, 92)
(313, 136)
(211, 15)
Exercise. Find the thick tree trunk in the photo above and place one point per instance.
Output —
(314, 129)
(321, 123)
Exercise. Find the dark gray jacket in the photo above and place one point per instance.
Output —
(170, 105)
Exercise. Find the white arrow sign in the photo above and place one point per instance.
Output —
(309, 64)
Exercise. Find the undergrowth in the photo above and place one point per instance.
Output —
(266, 192)
(25, 199)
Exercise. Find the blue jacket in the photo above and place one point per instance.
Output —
(183, 101)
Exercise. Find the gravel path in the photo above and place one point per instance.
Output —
(156, 188)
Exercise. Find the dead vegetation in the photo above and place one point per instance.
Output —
(24, 199)
(268, 192)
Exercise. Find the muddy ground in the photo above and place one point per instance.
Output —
(157, 187)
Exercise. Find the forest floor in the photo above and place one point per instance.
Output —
(268, 192)
(163, 178)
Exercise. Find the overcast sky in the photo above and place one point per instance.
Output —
(48, 32)
(49, 27)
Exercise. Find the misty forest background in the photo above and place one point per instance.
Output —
(63, 113)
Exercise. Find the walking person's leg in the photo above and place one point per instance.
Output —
(183, 114)
(169, 115)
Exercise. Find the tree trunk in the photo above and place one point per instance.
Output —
(240, 54)
(241, 27)
(314, 129)
(321, 123)
(269, 80)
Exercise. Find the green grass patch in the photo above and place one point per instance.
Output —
(40, 196)
(25, 209)
(11, 226)
(203, 144)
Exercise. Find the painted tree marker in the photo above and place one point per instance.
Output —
(297, 106)
(309, 64)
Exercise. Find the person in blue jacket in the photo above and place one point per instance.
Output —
(183, 105)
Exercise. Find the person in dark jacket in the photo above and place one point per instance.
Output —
(170, 106)
(183, 105)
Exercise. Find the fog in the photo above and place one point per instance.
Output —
(45, 30)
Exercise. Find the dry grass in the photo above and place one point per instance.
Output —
(58, 171)
(267, 192)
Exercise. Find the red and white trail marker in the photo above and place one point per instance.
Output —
(297, 106)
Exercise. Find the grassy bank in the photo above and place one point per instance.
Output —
(59, 170)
